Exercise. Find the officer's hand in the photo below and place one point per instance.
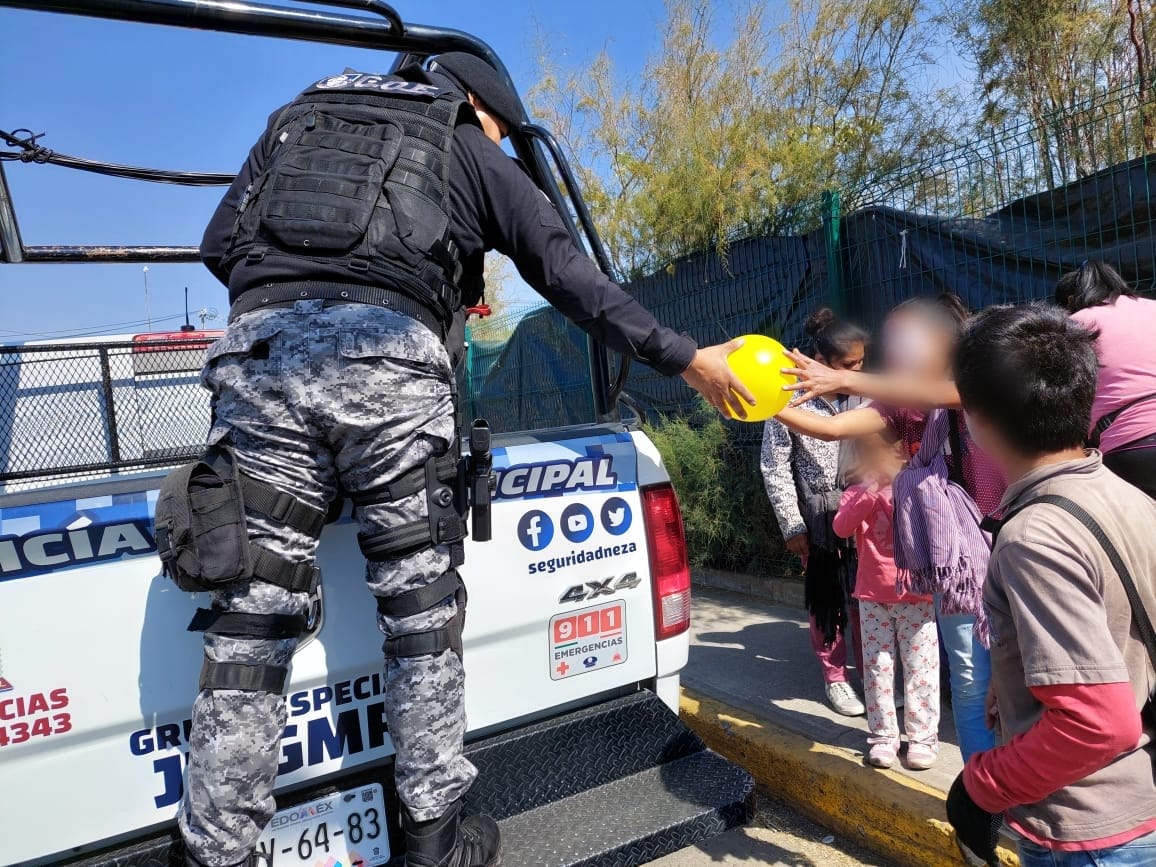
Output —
(976, 830)
(711, 376)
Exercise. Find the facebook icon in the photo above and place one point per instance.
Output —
(535, 530)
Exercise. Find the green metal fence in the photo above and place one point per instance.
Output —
(1019, 159)
(1033, 199)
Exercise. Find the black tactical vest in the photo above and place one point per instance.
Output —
(357, 175)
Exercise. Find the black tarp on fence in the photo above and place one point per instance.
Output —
(1011, 256)
(541, 378)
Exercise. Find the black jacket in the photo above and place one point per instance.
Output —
(494, 206)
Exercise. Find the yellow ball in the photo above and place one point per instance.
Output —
(758, 363)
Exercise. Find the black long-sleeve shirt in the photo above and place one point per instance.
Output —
(493, 206)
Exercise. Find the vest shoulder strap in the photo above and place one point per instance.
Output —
(1135, 601)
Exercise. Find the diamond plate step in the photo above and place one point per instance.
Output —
(544, 762)
(635, 819)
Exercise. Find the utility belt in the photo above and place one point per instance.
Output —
(436, 316)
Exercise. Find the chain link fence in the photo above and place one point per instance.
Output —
(75, 411)
(999, 219)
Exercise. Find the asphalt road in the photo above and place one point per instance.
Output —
(778, 836)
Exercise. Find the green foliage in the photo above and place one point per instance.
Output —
(748, 112)
(739, 123)
(729, 523)
(1048, 61)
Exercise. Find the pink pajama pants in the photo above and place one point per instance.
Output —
(909, 628)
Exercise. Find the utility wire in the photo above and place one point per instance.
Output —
(89, 331)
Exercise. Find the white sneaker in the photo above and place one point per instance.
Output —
(841, 696)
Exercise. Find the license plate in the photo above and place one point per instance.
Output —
(342, 830)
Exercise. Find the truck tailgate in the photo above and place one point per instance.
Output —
(97, 671)
(560, 601)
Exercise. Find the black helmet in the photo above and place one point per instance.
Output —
(479, 78)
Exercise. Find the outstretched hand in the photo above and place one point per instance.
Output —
(815, 378)
(711, 376)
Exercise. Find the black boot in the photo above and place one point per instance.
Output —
(449, 841)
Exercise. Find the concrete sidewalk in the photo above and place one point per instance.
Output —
(753, 691)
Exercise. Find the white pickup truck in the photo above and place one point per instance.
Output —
(577, 626)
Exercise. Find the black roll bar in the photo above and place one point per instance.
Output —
(11, 244)
(384, 31)
(284, 22)
(544, 137)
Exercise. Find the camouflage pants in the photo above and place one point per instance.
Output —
(309, 397)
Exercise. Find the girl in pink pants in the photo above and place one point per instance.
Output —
(892, 622)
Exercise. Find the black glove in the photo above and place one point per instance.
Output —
(976, 830)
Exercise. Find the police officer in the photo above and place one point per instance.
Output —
(350, 242)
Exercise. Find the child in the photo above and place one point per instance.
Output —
(1070, 673)
(804, 479)
(888, 617)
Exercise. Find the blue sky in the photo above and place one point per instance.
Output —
(171, 98)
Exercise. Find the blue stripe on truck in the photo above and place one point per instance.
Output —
(606, 462)
(61, 534)
(47, 537)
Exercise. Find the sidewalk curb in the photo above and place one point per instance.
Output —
(885, 811)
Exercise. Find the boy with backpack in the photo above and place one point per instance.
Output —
(1070, 588)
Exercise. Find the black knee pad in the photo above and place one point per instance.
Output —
(432, 641)
(243, 676)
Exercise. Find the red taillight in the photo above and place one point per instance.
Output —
(668, 561)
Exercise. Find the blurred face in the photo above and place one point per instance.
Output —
(852, 360)
(913, 345)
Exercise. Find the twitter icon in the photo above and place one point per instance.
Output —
(616, 516)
